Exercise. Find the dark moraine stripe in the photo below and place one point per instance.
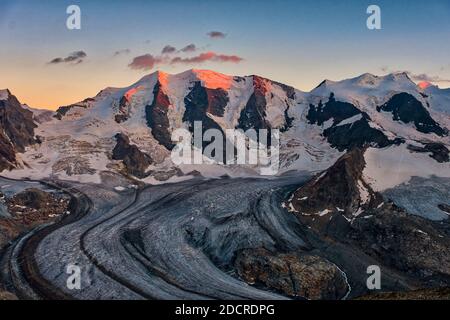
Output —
(157, 119)
(404, 107)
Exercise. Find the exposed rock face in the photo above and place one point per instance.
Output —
(33, 198)
(62, 111)
(340, 189)
(7, 153)
(28, 209)
(404, 107)
(253, 116)
(135, 161)
(342, 135)
(405, 242)
(124, 110)
(16, 130)
(293, 274)
(438, 151)
(157, 119)
(201, 101)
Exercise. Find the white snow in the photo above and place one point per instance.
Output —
(389, 167)
(323, 212)
(364, 194)
(350, 120)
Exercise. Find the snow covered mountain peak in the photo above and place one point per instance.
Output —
(77, 141)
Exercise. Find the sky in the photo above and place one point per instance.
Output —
(299, 43)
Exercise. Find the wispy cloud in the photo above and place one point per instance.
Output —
(123, 51)
(168, 49)
(73, 58)
(189, 48)
(216, 35)
(148, 61)
(145, 62)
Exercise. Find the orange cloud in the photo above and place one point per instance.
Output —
(145, 62)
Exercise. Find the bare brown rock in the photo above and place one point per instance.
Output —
(296, 275)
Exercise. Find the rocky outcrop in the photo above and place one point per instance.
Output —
(404, 107)
(253, 116)
(33, 198)
(297, 275)
(157, 118)
(349, 127)
(438, 151)
(16, 130)
(408, 243)
(136, 162)
(340, 189)
(62, 111)
(28, 209)
(7, 153)
(200, 102)
(124, 110)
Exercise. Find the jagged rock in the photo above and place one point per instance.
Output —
(293, 274)
(253, 116)
(17, 130)
(403, 241)
(62, 111)
(404, 107)
(33, 198)
(124, 111)
(135, 161)
(157, 118)
(345, 136)
(199, 102)
(438, 151)
(340, 189)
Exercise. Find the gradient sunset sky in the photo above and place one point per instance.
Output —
(299, 43)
